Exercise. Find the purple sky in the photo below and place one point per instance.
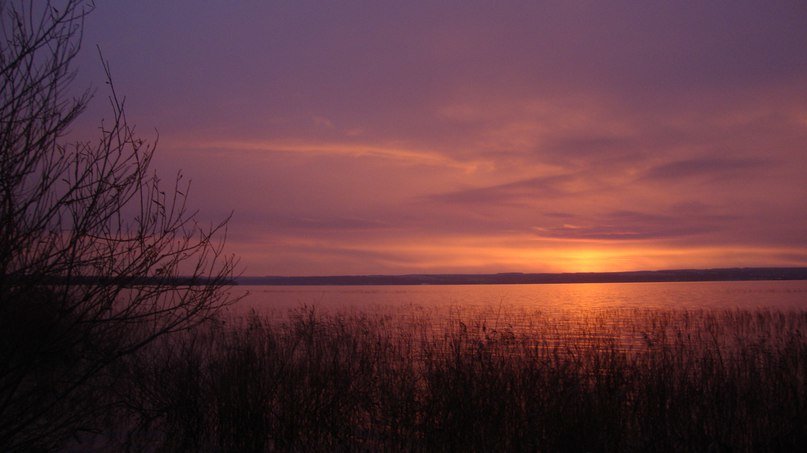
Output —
(398, 137)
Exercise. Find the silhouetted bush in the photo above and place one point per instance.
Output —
(97, 257)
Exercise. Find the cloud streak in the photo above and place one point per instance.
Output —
(394, 153)
(705, 167)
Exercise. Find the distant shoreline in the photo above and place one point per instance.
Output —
(674, 275)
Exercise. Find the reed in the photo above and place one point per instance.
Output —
(637, 380)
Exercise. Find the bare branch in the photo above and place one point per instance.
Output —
(97, 257)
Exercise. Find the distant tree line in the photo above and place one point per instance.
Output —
(676, 275)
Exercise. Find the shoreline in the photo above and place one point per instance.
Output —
(660, 276)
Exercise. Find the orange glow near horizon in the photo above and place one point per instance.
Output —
(481, 255)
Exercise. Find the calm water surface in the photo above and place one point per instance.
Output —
(492, 299)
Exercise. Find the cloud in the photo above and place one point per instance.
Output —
(326, 223)
(704, 166)
(320, 121)
(626, 225)
(512, 192)
(401, 155)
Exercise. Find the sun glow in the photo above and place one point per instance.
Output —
(590, 260)
(481, 254)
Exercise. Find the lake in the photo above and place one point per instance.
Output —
(499, 300)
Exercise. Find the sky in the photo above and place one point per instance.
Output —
(386, 137)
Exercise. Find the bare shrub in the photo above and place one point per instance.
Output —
(97, 257)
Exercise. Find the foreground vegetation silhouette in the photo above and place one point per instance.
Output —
(611, 381)
(97, 257)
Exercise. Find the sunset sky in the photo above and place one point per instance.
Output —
(461, 137)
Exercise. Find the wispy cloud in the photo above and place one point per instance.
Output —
(629, 226)
(705, 166)
(398, 154)
(518, 192)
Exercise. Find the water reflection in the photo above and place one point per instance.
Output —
(588, 297)
(586, 315)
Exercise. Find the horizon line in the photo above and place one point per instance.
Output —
(409, 274)
(665, 275)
